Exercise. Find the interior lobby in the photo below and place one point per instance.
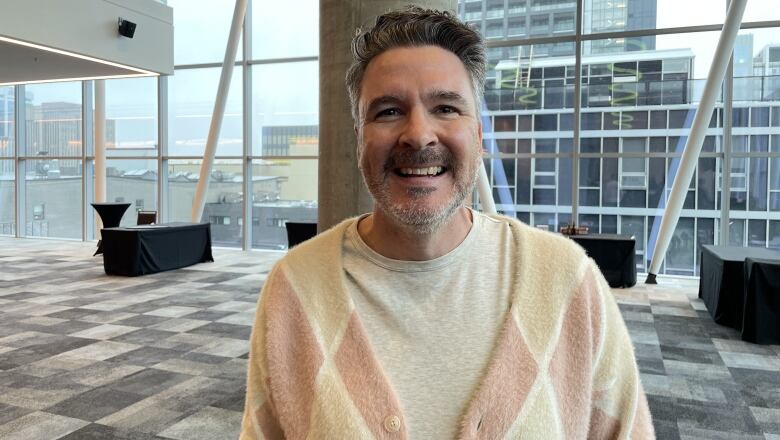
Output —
(603, 118)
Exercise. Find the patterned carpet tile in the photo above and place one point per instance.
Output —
(84, 355)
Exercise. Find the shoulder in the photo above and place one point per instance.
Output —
(537, 247)
(549, 268)
(322, 249)
(311, 265)
(309, 281)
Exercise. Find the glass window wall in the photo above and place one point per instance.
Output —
(53, 201)
(224, 198)
(285, 103)
(7, 198)
(638, 97)
(131, 117)
(53, 127)
(282, 190)
(201, 29)
(191, 97)
(132, 181)
(275, 38)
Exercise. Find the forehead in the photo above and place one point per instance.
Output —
(405, 70)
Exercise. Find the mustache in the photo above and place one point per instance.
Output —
(419, 158)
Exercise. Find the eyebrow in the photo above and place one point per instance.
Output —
(382, 100)
(447, 95)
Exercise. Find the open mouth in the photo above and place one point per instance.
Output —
(420, 171)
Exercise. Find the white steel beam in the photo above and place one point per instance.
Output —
(199, 201)
(693, 146)
(485, 193)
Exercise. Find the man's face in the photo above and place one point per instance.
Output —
(419, 135)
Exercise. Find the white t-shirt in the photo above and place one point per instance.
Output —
(434, 323)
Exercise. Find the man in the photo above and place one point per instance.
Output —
(425, 319)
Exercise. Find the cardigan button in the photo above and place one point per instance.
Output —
(392, 423)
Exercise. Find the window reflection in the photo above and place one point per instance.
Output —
(224, 198)
(131, 116)
(191, 96)
(132, 181)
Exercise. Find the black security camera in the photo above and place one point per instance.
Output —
(126, 28)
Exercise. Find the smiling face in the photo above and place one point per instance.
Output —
(419, 136)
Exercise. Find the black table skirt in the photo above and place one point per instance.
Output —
(761, 316)
(110, 216)
(149, 249)
(722, 280)
(614, 254)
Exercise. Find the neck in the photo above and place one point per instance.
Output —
(402, 243)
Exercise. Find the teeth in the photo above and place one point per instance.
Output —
(430, 171)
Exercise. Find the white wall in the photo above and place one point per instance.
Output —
(89, 27)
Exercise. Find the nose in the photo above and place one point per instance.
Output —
(419, 131)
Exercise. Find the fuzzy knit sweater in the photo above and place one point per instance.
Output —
(563, 365)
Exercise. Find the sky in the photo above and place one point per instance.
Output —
(674, 13)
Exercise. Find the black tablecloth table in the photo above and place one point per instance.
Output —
(614, 254)
(761, 316)
(110, 215)
(722, 280)
(145, 249)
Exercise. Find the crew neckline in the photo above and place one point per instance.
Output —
(414, 266)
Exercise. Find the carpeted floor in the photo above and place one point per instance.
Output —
(88, 356)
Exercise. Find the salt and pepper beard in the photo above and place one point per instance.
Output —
(410, 216)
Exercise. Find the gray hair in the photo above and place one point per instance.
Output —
(415, 26)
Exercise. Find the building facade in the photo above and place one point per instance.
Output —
(637, 104)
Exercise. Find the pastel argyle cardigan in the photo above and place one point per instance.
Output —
(563, 365)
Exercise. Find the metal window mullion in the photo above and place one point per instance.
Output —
(162, 149)
(247, 130)
(302, 59)
(203, 66)
(20, 146)
(575, 155)
(725, 190)
(647, 175)
(505, 18)
(768, 195)
(246, 60)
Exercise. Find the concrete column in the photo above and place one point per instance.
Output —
(342, 193)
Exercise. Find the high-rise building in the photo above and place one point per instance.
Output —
(615, 16)
(637, 105)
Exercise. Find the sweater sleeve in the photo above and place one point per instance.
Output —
(260, 421)
(619, 405)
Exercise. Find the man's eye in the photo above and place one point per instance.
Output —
(388, 112)
(447, 109)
